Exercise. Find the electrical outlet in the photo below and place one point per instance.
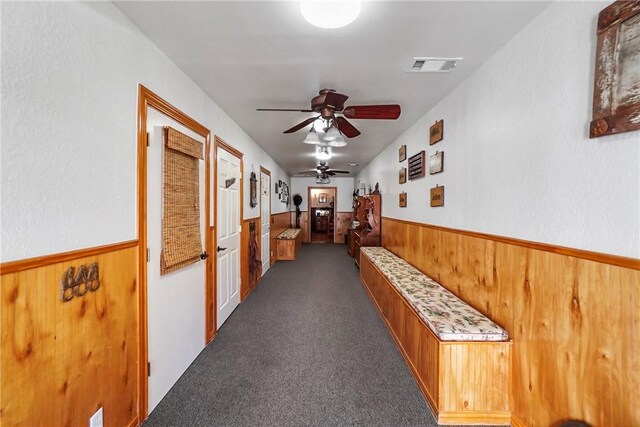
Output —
(96, 419)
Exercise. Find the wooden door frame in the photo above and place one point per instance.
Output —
(335, 206)
(268, 172)
(147, 99)
(220, 143)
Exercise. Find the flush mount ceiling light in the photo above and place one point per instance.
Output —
(330, 13)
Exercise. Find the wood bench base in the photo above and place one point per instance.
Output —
(464, 382)
(287, 248)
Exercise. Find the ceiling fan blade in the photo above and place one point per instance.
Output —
(376, 112)
(308, 173)
(335, 171)
(347, 128)
(301, 125)
(330, 173)
(284, 109)
(335, 100)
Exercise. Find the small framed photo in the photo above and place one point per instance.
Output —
(403, 200)
(402, 153)
(403, 176)
(436, 163)
(437, 196)
(275, 188)
(436, 132)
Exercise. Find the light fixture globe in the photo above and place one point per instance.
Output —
(330, 14)
(312, 137)
(323, 154)
(332, 134)
(338, 142)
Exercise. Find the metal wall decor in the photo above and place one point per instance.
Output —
(436, 132)
(77, 283)
(417, 166)
(402, 153)
(436, 163)
(437, 196)
(403, 200)
(616, 93)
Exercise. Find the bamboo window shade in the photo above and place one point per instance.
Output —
(181, 242)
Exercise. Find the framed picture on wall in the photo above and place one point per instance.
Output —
(437, 196)
(403, 176)
(402, 153)
(403, 200)
(436, 132)
(322, 198)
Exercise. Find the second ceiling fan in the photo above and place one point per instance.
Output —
(329, 102)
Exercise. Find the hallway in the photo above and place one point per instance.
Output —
(307, 347)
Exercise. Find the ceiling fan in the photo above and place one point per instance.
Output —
(329, 102)
(322, 170)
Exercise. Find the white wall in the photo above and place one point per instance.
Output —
(518, 160)
(70, 73)
(344, 186)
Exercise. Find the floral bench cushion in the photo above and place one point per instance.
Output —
(289, 234)
(450, 318)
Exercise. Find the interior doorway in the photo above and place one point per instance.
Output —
(265, 218)
(321, 211)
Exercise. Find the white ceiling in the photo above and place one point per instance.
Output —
(247, 55)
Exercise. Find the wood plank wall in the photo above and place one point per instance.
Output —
(575, 322)
(60, 362)
(279, 223)
(342, 222)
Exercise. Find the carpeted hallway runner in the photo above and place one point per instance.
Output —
(307, 347)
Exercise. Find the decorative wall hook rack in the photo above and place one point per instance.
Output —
(77, 283)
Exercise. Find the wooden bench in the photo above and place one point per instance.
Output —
(288, 243)
(460, 359)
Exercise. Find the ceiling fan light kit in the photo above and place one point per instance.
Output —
(323, 154)
(332, 134)
(330, 14)
(312, 137)
(338, 142)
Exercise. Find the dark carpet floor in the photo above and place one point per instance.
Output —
(307, 347)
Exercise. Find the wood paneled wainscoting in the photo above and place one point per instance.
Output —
(247, 283)
(342, 221)
(60, 361)
(574, 317)
(279, 223)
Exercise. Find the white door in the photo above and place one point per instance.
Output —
(265, 220)
(228, 226)
(176, 301)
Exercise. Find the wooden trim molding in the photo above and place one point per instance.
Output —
(40, 261)
(620, 261)
(147, 99)
(266, 171)
(219, 142)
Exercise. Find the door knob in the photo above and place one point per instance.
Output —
(221, 249)
(204, 255)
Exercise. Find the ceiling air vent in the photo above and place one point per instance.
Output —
(432, 65)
